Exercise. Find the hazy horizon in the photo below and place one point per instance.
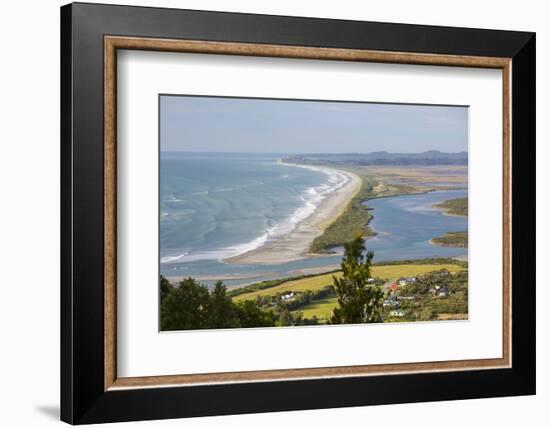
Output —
(273, 126)
(308, 153)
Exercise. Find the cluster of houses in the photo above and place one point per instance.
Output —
(401, 282)
(392, 301)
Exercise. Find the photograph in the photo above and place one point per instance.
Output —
(290, 212)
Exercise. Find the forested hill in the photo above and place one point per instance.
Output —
(431, 157)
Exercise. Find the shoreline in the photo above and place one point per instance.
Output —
(447, 213)
(295, 245)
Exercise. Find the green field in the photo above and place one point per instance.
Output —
(457, 206)
(386, 272)
(321, 308)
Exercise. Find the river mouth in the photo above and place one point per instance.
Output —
(404, 224)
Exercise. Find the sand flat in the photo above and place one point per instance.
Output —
(295, 245)
(221, 277)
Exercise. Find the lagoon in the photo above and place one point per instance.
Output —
(405, 224)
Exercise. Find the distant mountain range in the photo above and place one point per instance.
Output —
(431, 157)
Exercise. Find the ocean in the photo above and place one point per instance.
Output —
(214, 206)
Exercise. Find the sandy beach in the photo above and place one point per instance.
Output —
(295, 245)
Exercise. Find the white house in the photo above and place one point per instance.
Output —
(405, 281)
(397, 313)
(287, 296)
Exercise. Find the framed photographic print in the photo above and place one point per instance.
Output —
(266, 213)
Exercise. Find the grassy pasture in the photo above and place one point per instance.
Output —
(322, 308)
(387, 272)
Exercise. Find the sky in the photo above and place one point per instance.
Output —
(218, 124)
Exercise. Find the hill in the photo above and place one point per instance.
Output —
(430, 157)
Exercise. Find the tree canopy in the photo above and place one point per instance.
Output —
(191, 305)
(358, 301)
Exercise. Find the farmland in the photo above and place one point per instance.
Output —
(385, 272)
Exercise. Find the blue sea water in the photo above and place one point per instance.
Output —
(213, 206)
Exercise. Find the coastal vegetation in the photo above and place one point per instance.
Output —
(457, 206)
(452, 239)
(428, 261)
(352, 222)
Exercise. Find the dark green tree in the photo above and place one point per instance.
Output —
(288, 318)
(285, 317)
(221, 310)
(186, 307)
(250, 315)
(358, 302)
(191, 305)
(165, 288)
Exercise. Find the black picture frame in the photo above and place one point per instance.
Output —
(83, 398)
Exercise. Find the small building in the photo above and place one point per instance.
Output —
(444, 292)
(397, 313)
(287, 296)
(406, 280)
